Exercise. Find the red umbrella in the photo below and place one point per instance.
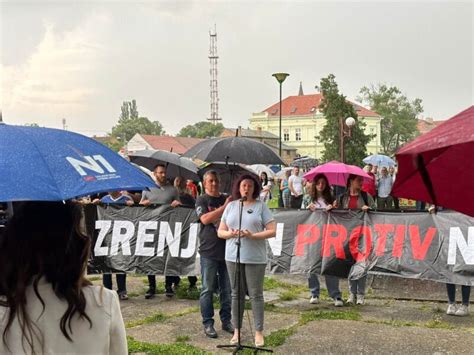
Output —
(438, 167)
(337, 173)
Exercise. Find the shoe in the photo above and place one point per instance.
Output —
(123, 296)
(169, 292)
(228, 327)
(451, 311)
(314, 300)
(150, 294)
(351, 299)
(210, 331)
(360, 299)
(338, 302)
(462, 311)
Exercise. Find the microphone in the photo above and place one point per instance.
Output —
(243, 199)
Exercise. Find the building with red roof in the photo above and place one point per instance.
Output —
(177, 145)
(302, 122)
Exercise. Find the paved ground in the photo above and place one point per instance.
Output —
(293, 326)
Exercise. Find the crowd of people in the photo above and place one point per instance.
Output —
(53, 258)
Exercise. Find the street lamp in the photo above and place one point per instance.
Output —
(343, 133)
(280, 77)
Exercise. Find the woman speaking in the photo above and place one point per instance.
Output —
(257, 224)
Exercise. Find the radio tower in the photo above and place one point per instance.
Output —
(214, 117)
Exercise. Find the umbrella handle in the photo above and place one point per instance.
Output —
(426, 177)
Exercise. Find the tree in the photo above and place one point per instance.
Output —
(334, 106)
(398, 125)
(130, 123)
(201, 130)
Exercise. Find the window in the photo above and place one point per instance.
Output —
(286, 135)
(298, 134)
(373, 133)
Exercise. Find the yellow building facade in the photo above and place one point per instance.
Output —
(302, 122)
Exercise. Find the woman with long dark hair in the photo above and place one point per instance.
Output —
(355, 198)
(46, 303)
(266, 188)
(257, 225)
(323, 199)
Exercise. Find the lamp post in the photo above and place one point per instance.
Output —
(280, 77)
(343, 133)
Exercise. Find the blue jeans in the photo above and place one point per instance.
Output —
(332, 284)
(465, 292)
(214, 274)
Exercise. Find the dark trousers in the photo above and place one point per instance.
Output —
(170, 280)
(121, 282)
(465, 293)
(396, 202)
(420, 205)
(295, 202)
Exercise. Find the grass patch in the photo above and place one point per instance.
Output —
(135, 346)
(288, 296)
(184, 292)
(392, 323)
(270, 283)
(279, 337)
(182, 338)
(160, 317)
(438, 324)
(155, 318)
(349, 314)
(94, 278)
(134, 294)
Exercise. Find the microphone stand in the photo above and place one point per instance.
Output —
(239, 347)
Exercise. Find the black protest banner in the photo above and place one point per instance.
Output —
(351, 243)
(145, 240)
(342, 243)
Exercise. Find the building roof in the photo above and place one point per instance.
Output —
(307, 105)
(426, 125)
(257, 133)
(249, 133)
(178, 145)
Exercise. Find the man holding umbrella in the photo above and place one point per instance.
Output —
(163, 194)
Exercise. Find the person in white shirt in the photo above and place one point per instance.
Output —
(47, 306)
(295, 184)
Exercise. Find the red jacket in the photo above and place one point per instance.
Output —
(369, 186)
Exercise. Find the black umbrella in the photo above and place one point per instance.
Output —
(235, 150)
(175, 164)
(228, 173)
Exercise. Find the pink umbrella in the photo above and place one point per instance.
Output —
(337, 173)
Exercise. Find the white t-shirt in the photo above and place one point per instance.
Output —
(254, 218)
(320, 203)
(106, 336)
(297, 183)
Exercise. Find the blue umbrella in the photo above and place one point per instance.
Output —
(44, 164)
(379, 160)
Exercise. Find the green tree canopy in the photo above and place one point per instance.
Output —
(334, 106)
(201, 130)
(398, 125)
(130, 123)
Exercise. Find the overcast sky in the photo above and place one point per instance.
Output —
(80, 60)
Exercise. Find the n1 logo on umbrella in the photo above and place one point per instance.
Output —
(91, 163)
